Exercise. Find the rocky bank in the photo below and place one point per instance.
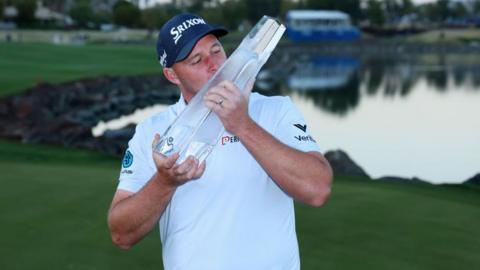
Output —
(64, 114)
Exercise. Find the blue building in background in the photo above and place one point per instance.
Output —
(320, 25)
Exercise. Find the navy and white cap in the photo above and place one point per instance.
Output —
(178, 37)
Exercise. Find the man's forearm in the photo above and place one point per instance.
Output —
(304, 176)
(133, 217)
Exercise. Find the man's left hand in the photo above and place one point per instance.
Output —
(230, 104)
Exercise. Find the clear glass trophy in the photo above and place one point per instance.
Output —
(196, 130)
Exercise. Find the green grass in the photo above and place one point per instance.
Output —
(368, 225)
(24, 65)
(94, 36)
(12, 151)
(54, 204)
(447, 35)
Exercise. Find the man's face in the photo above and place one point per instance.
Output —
(202, 63)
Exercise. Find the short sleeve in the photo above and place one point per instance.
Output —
(136, 169)
(292, 129)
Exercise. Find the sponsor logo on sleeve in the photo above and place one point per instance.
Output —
(127, 159)
(303, 138)
(307, 138)
(301, 127)
(126, 171)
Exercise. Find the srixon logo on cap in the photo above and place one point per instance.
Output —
(177, 31)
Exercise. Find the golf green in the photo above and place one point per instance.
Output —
(55, 202)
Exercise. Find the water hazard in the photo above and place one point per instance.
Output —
(406, 116)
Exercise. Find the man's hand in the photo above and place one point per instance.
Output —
(173, 174)
(231, 106)
(133, 215)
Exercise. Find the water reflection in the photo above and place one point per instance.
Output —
(322, 73)
(334, 83)
(340, 100)
(331, 82)
(388, 77)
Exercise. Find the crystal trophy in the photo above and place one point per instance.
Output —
(196, 130)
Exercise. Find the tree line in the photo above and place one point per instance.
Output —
(234, 13)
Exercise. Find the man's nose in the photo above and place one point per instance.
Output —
(212, 65)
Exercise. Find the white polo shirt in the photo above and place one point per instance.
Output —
(235, 216)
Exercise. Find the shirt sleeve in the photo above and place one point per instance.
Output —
(136, 170)
(292, 129)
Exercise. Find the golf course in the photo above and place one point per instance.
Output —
(54, 200)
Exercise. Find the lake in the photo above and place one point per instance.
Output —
(406, 115)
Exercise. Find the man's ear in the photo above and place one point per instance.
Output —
(171, 76)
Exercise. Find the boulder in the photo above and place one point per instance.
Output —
(342, 164)
(475, 180)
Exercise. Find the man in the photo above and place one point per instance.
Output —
(234, 211)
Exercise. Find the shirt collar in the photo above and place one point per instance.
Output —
(179, 106)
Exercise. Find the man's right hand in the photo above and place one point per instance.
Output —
(133, 215)
(173, 174)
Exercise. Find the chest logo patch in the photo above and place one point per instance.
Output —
(229, 139)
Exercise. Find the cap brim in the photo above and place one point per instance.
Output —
(185, 51)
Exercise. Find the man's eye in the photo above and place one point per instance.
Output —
(196, 61)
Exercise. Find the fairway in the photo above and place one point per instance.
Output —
(54, 205)
(24, 65)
